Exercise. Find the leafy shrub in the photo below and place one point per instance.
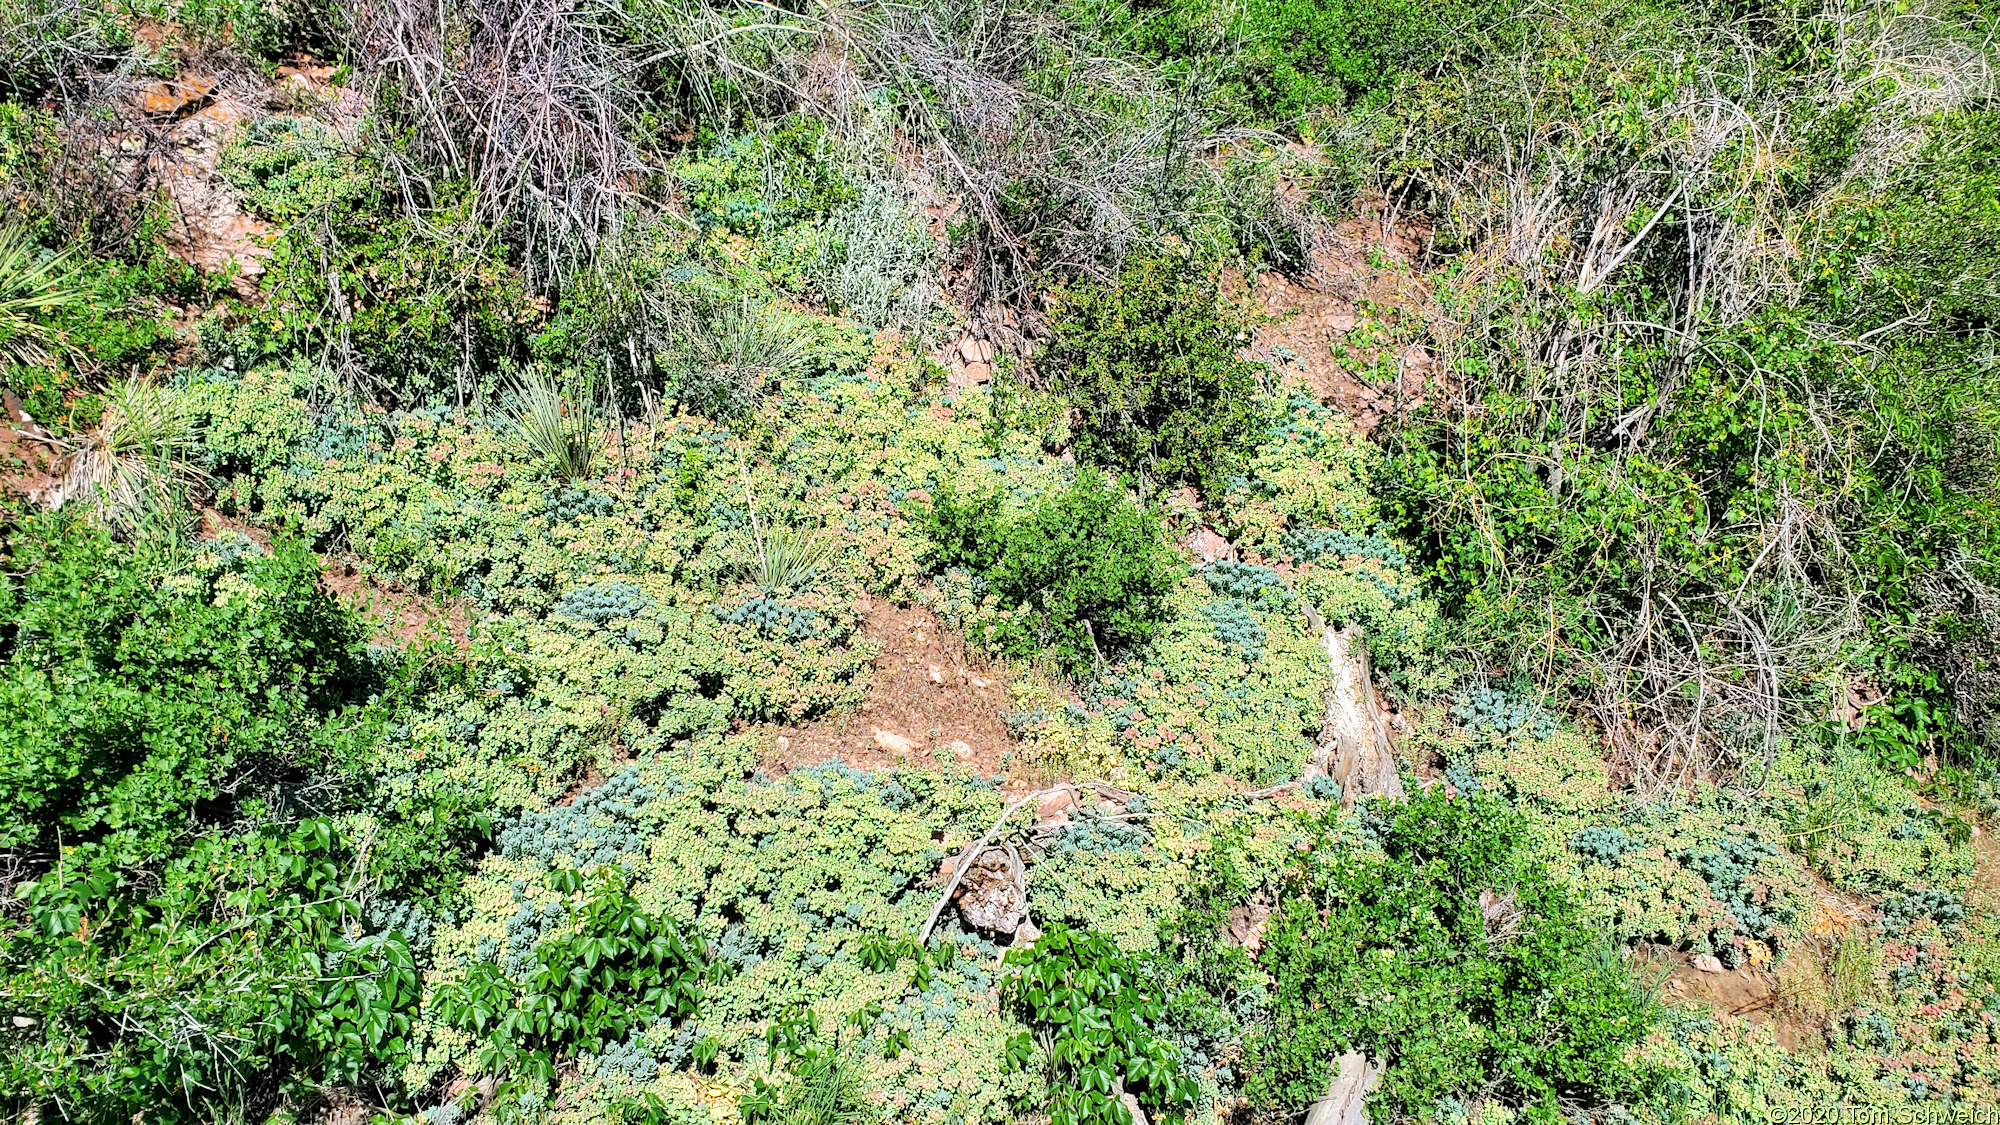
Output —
(428, 301)
(609, 969)
(1149, 364)
(1453, 958)
(1083, 574)
(1282, 62)
(168, 996)
(1092, 1024)
(133, 690)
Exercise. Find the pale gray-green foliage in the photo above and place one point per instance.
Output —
(881, 263)
(730, 353)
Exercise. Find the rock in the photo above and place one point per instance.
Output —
(782, 745)
(978, 372)
(968, 350)
(1130, 1100)
(1208, 545)
(959, 750)
(1054, 805)
(993, 896)
(894, 743)
(980, 681)
(163, 98)
(1706, 962)
(936, 675)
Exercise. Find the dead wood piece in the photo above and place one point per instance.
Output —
(1246, 926)
(1346, 1099)
(963, 864)
(1354, 738)
(993, 895)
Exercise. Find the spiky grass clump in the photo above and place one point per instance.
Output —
(131, 465)
(31, 284)
(560, 427)
(789, 558)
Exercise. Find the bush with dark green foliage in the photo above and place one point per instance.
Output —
(170, 992)
(416, 307)
(1280, 61)
(611, 970)
(1150, 366)
(1452, 957)
(1093, 1014)
(179, 725)
(1083, 573)
(134, 690)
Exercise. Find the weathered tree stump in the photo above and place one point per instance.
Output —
(1354, 738)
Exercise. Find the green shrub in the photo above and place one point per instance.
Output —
(1454, 959)
(1281, 61)
(1082, 574)
(1092, 1022)
(416, 304)
(132, 691)
(1150, 366)
(611, 970)
(174, 995)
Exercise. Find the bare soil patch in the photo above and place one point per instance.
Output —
(1752, 993)
(930, 703)
(395, 615)
(1350, 328)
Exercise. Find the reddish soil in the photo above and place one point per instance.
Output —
(398, 616)
(1364, 268)
(1751, 993)
(926, 690)
(27, 464)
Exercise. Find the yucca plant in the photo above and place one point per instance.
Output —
(132, 462)
(558, 426)
(733, 352)
(789, 558)
(31, 284)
